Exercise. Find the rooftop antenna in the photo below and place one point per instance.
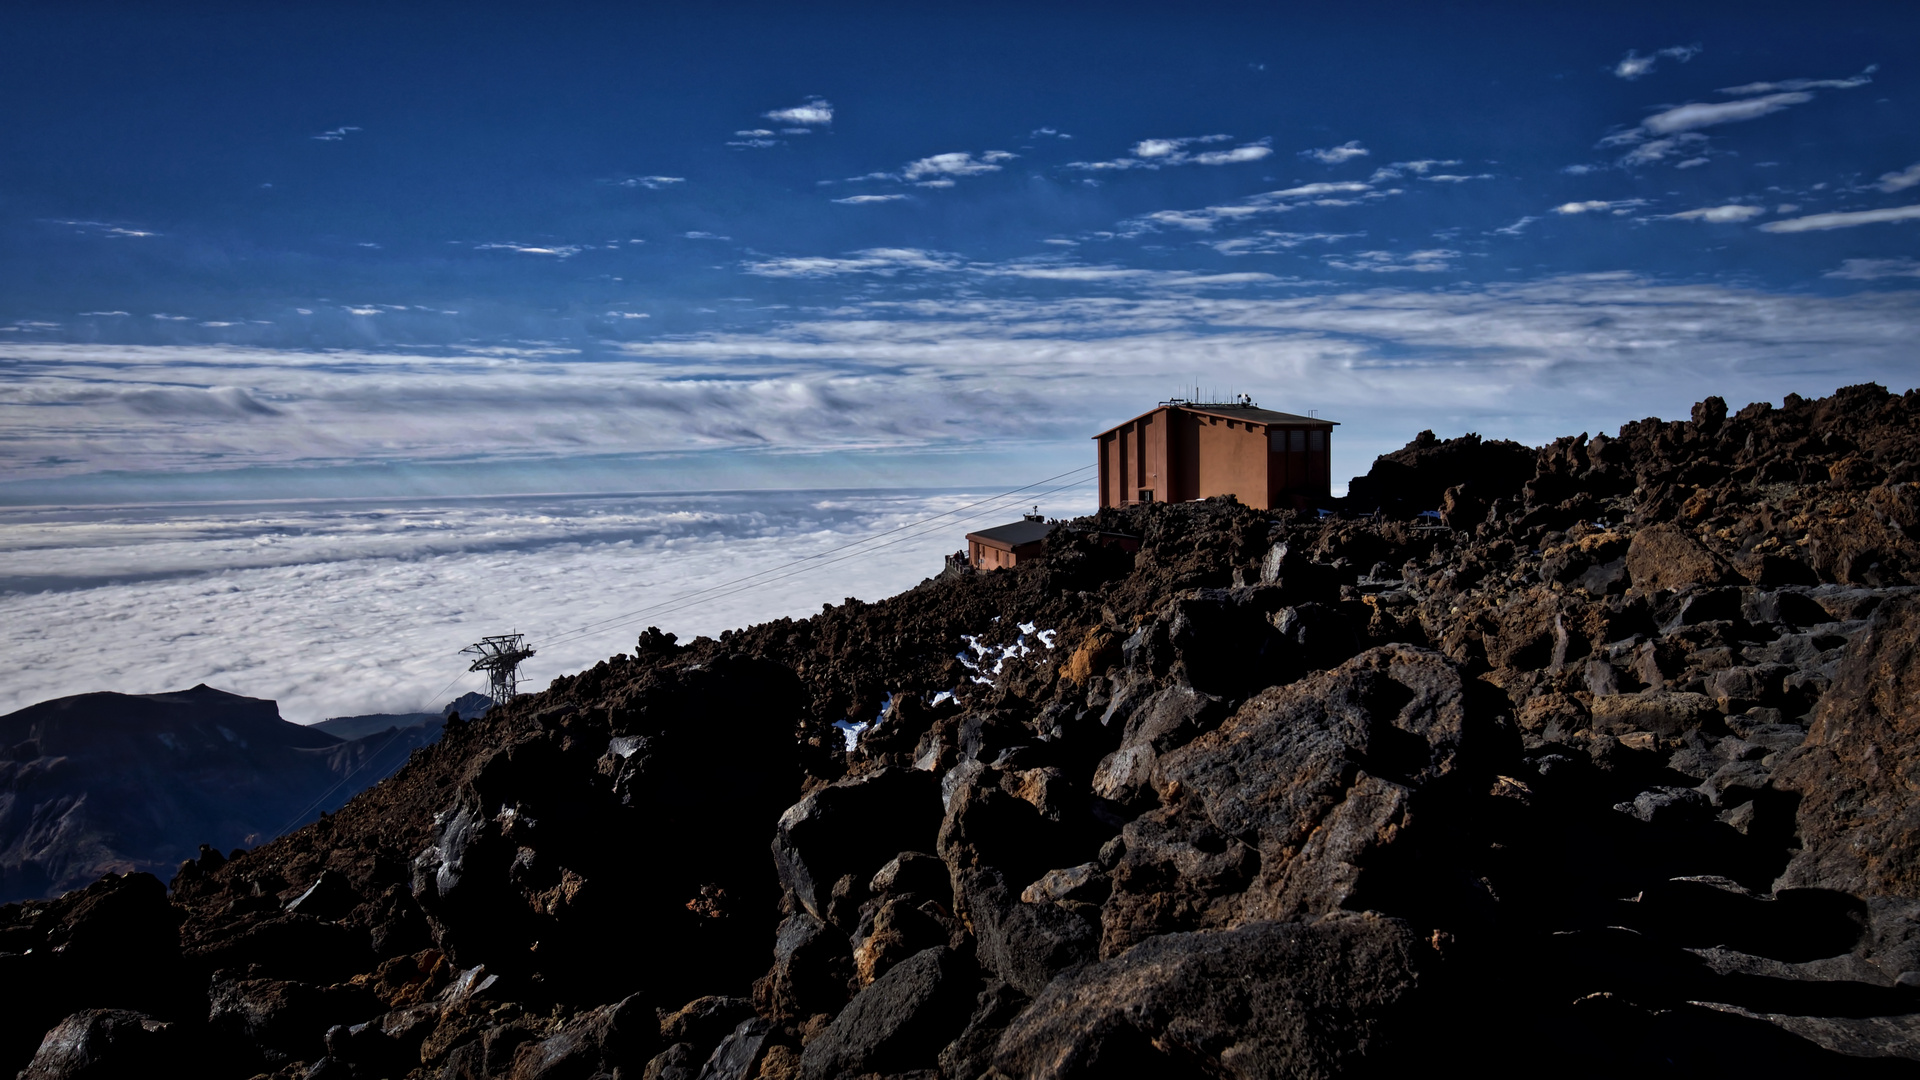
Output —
(500, 656)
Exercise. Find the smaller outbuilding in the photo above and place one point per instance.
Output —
(1008, 545)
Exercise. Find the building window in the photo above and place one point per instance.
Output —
(1297, 441)
(1146, 495)
(1316, 441)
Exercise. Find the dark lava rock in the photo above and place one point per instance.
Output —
(1276, 813)
(101, 1044)
(1264, 999)
(853, 827)
(898, 1023)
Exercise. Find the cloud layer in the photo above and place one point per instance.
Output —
(341, 609)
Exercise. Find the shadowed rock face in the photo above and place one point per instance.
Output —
(1611, 776)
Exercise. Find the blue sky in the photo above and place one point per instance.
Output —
(305, 249)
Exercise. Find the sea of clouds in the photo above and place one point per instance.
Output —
(339, 608)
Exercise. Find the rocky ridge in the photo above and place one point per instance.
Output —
(1608, 768)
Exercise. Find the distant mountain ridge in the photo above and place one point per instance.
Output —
(107, 782)
(359, 727)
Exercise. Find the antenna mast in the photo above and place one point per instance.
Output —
(500, 656)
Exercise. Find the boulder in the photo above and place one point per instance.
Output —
(1026, 944)
(898, 1023)
(113, 945)
(102, 1044)
(1661, 712)
(703, 1022)
(853, 826)
(811, 965)
(1275, 813)
(1172, 717)
(738, 1055)
(1859, 823)
(1666, 557)
(594, 1043)
(330, 896)
(1261, 1000)
(273, 1021)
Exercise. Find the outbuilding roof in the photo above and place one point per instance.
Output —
(1020, 532)
(1250, 414)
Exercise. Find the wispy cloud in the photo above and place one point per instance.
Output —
(697, 234)
(101, 228)
(939, 170)
(1454, 178)
(1899, 181)
(1400, 168)
(561, 251)
(336, 135)
(1334, 155)
(1875, 269)
(1594, 206)
(1843, 220)
(1674, 131)
(1647, 151)
(628, 315)
(1047, 133)
(1431, 261)
(1790, 85)
(1721, 215)
(653, 183)
(814, 111)
(888, 262)
(1169, 153)
(1268, 241)
(1706, 114)
(861, 200)
(1633, 66)
(1517, 227)
(1343, 193)
(1250, 152)
(106, 314)
(883, 261)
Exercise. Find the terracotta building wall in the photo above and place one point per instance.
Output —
(1133, 457)
(1233, 460)
(1180, 455)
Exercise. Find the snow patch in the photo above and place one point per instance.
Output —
(990, 659)
(851, 730)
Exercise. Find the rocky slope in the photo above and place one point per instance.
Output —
(1612, 772)
(105, 782)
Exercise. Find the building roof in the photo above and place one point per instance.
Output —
(1250, 414)
(1255, 415)
(1025, 531)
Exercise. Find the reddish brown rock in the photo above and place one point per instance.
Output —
(1665, 557)
(1857, 774)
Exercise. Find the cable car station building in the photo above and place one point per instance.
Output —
(1186, 450)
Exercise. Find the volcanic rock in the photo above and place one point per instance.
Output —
(1603, 772)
